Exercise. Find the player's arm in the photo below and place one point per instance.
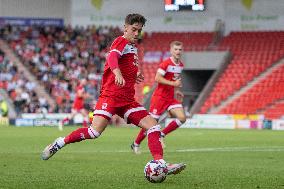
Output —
(161, 79)
(112, 60)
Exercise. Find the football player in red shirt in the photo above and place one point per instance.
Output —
(78, 106)
(117, 96)
(163, 99)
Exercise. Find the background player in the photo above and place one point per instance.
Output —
(78, 106)
(117, 96)
(163, 99)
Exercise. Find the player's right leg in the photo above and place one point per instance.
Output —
(139, 116)
(135, 146)
(154, 144)
(98, 126)
(156, 110)
(102, 116)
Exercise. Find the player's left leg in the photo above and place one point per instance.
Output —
(157, 107)
(136, 114)
(154, 144)
(135, 146)
(140, 117)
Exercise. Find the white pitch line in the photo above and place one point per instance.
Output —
(235, 149)
(219, 149)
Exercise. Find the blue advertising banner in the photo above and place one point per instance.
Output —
(19, 21)
(24, 122)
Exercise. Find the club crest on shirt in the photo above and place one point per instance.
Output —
(129, 49)
(174, 69)
(133, 50)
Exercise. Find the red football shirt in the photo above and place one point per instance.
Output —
(170, 71)
(128, 65)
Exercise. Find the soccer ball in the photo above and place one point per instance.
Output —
(155, 171)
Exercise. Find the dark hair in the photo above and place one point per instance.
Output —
(135, 18)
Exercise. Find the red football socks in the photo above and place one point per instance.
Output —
(154, 143)
(81, 134)
(171, 126)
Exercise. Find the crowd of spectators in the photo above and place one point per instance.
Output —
(20, 90)
(59, 57)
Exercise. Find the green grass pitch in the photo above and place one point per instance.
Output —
(215, 158)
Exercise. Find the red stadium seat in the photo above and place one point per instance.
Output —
(253, 53)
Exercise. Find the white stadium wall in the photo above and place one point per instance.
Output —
(253, 15)
(210, 60)
(36, 9)
(113, 12)
(238, 15)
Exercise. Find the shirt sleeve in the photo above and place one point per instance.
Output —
(112, 60)
(118, 45)
(163, 68)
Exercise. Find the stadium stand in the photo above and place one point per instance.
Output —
(267, 91)
(275, 110)
(253, 53)
(20, 90)
(58, 57)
